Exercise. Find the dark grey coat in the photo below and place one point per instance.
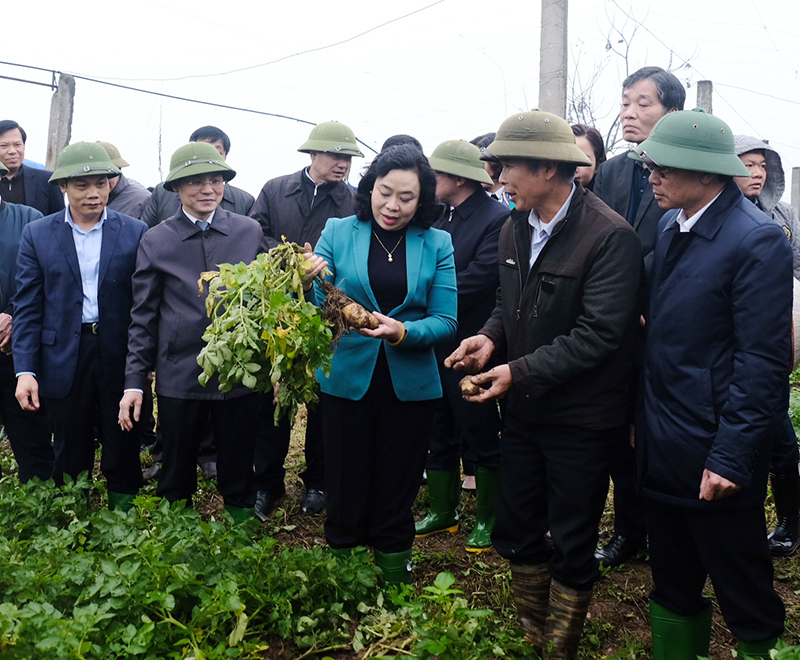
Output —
(168, 317)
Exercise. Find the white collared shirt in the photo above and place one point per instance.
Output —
(685, 224)
(196, 220)
(88, 245)
(542, 231)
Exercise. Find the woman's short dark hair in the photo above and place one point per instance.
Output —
(401, 157)
(595, 139)
(401, 138)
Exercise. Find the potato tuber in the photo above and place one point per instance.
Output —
(358, 317)
(468, 388)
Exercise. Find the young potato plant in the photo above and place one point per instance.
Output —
(264, 334)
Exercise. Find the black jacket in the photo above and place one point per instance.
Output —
(282, 209)
(475, 228)
(569, 326)
(613, 186)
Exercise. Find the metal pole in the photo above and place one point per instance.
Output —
(796, 191)
(553, 57)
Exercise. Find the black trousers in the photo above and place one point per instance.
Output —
(374, 455)
(553, 477)
(272, 446)
(785, 455)
(687, 545)
(460, 426)
(28, 431)
(233, 422)
(93, 404)
(629, 508)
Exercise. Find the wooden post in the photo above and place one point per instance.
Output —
(61, 107)
(553, 57)
(796, 191)
(705, 89)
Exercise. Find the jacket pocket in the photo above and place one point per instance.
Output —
(48, 337)
(174, 339)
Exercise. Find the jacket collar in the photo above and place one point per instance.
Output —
(186, 228)
(711, 221)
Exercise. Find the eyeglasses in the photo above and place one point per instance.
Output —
(199, 183)
(651, 165)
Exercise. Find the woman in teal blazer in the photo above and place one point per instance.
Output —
(377, 403)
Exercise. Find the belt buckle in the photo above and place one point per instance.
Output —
(94, 328)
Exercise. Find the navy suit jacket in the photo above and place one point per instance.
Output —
(49, 299)
(717, 354)
(47, 197)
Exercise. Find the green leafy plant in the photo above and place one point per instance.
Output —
(263, 332)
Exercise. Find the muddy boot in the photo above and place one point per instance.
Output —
(566, 614)
(677, 637)
(783, 540)
(395, 566)
(487, 486)
(755, 650)
(444, 490)
(530, 587)
(122, 501)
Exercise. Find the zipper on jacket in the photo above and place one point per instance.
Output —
(314, 196)
(536, 296)
(519, 272)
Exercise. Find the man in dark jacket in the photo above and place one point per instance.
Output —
(166, 332)
(127, 196)
(714, 383)
(27, 430)
(23, 184)
(647, 95)
(165, 204)
(474, 223)
(296, 207)
(565, 327)
(71, 315)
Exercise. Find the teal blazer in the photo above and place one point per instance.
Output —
(428, 312)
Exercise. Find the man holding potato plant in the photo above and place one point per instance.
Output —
(565, 328)
(168, 320)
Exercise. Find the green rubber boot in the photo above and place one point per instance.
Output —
(395, 566)
(754, 650)
(487, 490)
(444, 491)
(123, 501)
(344, 553)
(240, 514)
(677, 637)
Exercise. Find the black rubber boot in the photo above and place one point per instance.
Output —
(784, 539)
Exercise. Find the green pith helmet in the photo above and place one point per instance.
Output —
(538, 135)
(113, 154)
(333, 137)
(459, 158)
(196, 158)
(3, 169)
(692, 140)
(83, 159)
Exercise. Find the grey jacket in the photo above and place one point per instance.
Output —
(164, 204)
(129, 197)
(769, 201)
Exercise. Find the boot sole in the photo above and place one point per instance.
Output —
(471, 549)
(452, 530)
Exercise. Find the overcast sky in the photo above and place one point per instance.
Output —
(450, 69)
